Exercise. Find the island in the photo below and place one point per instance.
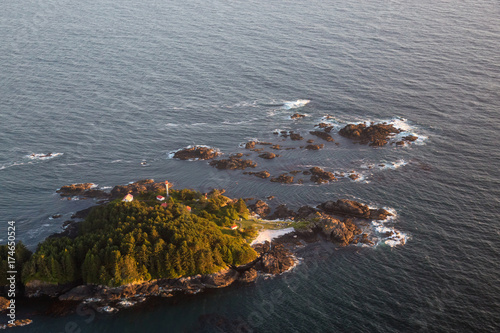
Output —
(143, 243)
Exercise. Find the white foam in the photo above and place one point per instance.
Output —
(268, 235)
(287, 105)
(43, 157)
(385, 165)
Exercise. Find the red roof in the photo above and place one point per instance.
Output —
(164, 204)
(188, 208)
(234, 226)
(161, 198)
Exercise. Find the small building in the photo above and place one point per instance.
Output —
(234, 227)
(160, 198)
(188, 208)
(165, 205)
(128, 198)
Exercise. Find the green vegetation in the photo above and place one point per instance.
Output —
(122, 243)
(21, 255)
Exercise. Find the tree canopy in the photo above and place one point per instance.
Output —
(126, 242)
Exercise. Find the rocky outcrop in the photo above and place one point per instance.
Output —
(322, 135)
(141, 186)
(332, 229)
(4, 303)
(233, 163)
(326, 127)
(297, 116)
(261, 208)
(282, 212)
(250, 144)
(354, 209)
(248, 276)
(268, 155)
(375, 135)
(320, 176)
(261, 174)
(283, 178)
(275, 260)
(295, 136)
(86, 190)
(315, 147)
(196, 153)
(305, 211)
(17, 323)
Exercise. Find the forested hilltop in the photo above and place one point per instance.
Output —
(128, 242)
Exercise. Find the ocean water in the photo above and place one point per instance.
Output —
(106, 85)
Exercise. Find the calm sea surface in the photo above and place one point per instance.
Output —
(105, 85)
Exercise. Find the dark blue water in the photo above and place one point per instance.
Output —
(108, 85)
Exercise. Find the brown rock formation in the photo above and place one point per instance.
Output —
(321, 176)
(322, 135)
(233, 163)
(283, 178)
(261, 208)
(196, 153)
(268, 155)
(375, 135)
(261, 174)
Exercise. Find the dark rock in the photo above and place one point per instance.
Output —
(305, 211)
(341, 232)
(298, 116)
(276, 261)
(410, 138)
(346, 207)
(321, 176)
(71, 229)
(306, 173)
(271, 197)
(196, 153)
(74, 189)
(268, 155)
(315, 147)
(294, 172)
(282, 212)
(141, 186)
(264, 143)
(261, 174)
(295, 136)
(81, 214)
(238, 155)
(261, 208)
(277, 147)
(322, 135)
(354, 176)
(379, 214)
(310, 141)
(257, 149)
(56, 216)
(233, 163)
(283, 178)
(326, 127)
(376, 134)
(78, 293)
(250, 145)
(248, 276)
